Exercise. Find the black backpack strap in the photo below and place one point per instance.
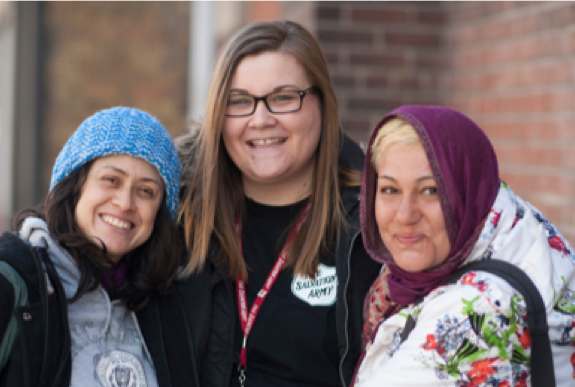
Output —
(541, 362)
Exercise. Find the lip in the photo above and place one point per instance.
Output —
(120, 219)
(409, 239)
(269, 142)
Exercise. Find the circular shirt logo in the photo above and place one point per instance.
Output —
(120, 369)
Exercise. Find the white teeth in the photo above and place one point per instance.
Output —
(269, 141)
(116, 222)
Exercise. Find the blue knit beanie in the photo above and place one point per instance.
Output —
(122, 130)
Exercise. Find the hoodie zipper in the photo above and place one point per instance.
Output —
(346, 309)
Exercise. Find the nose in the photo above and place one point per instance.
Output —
(408, 211)
(261, 117)
(123, 199)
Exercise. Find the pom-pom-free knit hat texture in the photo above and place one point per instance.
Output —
(122, 130)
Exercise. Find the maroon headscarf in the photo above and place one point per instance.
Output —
(464, 165)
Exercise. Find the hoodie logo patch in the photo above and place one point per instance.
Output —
(320, 291)
(120, 369)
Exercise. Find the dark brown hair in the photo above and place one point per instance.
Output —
(151, 266)
(211, 174)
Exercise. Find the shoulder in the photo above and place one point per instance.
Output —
(11, 243)
(462, 326)
(476, 292)
(481, 310)
(16, 251)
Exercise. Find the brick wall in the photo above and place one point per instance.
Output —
(510, 66)
(102, 54)
(512, 69)
(381, 55)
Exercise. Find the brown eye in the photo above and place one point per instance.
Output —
(147, 192)
(430, 191)
(387, 190)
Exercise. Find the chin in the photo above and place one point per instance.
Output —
(412, 263)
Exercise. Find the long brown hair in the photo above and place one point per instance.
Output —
(212, 195)
(151, 266)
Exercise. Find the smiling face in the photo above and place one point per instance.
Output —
(119, 202)
(408, 211)
(274, 152)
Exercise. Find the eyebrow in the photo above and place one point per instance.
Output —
(277, 88)
(124, 173)
(419, 180)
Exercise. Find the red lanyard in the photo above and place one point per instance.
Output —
(248, 320)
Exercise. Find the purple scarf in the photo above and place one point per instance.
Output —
(114, 275)
(465, 169)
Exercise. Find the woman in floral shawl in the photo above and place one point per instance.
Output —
(431, 202)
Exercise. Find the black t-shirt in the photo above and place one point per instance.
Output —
(293, 341)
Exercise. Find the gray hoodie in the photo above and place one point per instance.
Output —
(108, 348)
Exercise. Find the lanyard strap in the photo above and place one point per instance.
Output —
(247, 320)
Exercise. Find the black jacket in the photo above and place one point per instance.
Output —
(210, 296)
(41, 352)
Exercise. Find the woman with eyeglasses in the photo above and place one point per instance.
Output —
(270, 213)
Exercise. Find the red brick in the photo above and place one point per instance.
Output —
(413, 39)
(495, 7)
(341, 36)
(432, 61)
(544, 129)
(510, 51)
(343, 81)
(327, 12)
(542, 183)
(507, 78)
(536, 156)
(377, 59)
(376, 82)
(520, 24)
(381, 16)
(331, 57)
(424, 17)
(372, 104)
(100, 54)
(467, 11)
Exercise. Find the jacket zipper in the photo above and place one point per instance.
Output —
(346, 309)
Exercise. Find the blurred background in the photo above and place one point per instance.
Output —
(510, 66)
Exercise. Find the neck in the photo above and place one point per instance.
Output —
(279, 193)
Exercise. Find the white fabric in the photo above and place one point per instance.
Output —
(474, 333)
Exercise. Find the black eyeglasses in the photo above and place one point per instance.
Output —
(284, 101)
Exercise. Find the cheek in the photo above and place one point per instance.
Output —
(226, 139)
(381, 216)
(231, 138)
(232, 130)
(442, 244)
(82, 212)
(313, 125)
(149, 215)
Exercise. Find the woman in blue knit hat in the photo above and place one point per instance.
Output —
(84, 283)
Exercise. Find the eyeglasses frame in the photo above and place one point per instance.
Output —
(257, 99)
